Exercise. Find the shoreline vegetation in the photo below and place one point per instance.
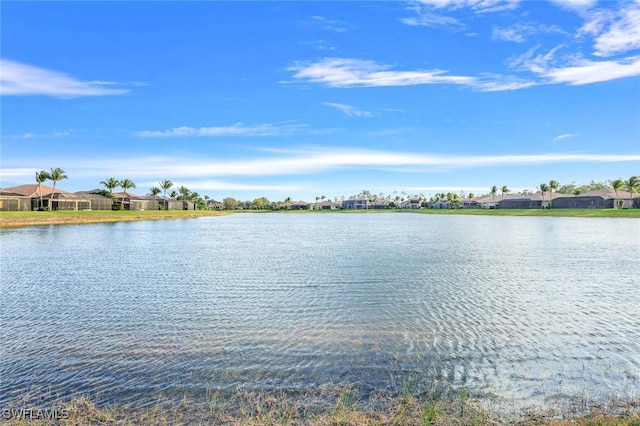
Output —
(332, 406)
(70, 217)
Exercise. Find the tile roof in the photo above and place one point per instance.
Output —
(31, 190)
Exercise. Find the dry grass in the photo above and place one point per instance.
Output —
(330, 407)
(21, 219)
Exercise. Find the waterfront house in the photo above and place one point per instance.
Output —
(131, 201)
(169, 203)
(410, 203)
(355, 204)
(299, 205)
(189, 205)
(13, 202)
(604, 198)
(469, 203)
(326, 205)
(378, 204)
(16, 196)
(82, 200)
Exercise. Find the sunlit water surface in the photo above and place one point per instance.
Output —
(525, 309)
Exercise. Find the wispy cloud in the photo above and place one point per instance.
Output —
(518, 33)
(575, 70)
(218, 185)
(237, 129)
(587, 72)
(564, 136)
(327, 24)
(426, 17)
(575, 4)
(340, 72)
(348, 109)
(18, 79)
(623, 35)
(481, 6)
(308, 162)
(433, 13)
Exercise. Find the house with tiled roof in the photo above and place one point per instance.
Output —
(130, 201)
(604, 198)
(26, 197)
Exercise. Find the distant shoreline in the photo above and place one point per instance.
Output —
(35, 218)
(32, 218)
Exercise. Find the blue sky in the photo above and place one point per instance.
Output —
(303, 99)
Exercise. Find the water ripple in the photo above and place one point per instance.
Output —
(527, 309)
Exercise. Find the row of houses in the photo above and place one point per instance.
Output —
(31, 196)
(605, 198)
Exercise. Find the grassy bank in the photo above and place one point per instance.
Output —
(630, 213)
(625, 213)
(19, 219)
(339, 406)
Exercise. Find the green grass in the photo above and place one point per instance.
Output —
(31, 218)
(68, 217)
(334, 406)
(625, 213)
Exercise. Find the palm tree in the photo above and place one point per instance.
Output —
(543, 188)
(471, 195)
(154, 191)
(184, 193)
(127, 184)
(41, 177)
(173, 194)
(111, 184)
(55, 176)
(493, 191)
(165, 185)
(504, 189)
(632, 186)
(553, 185)
(617, 184)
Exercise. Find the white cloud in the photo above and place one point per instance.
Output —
(587, 72)
(574, 70)
(309, 161)
(477, 5)
(15, 174)
(428, 18)
(575, 4)
(338, 72)
(217, 185)
(329, 24)
(623, 34)
(17, 79)
(432, 13)
(519, 32)
(237, 129)
(499, 83)
(563, 137)
(508, 34)
(348, 110)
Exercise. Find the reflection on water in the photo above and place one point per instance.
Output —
(525, 309)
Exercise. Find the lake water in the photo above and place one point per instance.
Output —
(525, 309)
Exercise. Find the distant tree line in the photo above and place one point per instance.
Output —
(631, 185)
